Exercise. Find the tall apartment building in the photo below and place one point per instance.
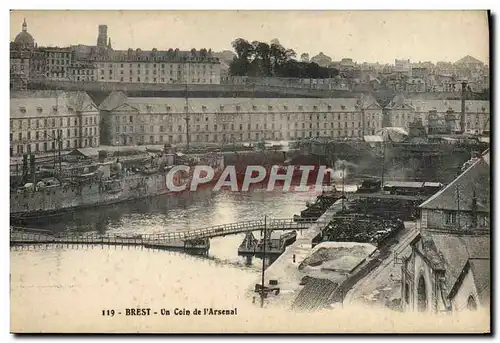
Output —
(100, 63)
(41, 120)
(130, 121)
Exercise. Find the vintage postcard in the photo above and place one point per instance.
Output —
(250, 172)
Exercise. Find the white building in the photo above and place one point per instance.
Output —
(130, 121)
(42, 120)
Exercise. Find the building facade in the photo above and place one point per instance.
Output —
(130, 121)
(44, 121)
(449, 266)
(153, 66)
(57, 62)
(100, 63)
(439, 115)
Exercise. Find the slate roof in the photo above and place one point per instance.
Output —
(314, 295)
(481, 271)
(475, 179)
(450, 252)
(154, 55)
(231, 105)
(42, 103)
(468, 59)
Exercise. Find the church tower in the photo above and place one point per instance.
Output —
(102, 38)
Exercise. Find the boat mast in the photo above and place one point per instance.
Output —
(263, 262)
(343, 187)
(383, 161)
(187, 109)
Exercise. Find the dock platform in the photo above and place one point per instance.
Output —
(285, 269)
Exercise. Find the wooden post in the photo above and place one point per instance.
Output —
(263, 263)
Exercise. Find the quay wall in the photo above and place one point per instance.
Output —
(193, 90)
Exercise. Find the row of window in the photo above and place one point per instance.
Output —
(179, 66)
(83, 72)
(39, 134)
(225, 127)
(59, 62)
(172, 73)
(58, 54)
(24, 124)
(48, 147)
(272, 117)
(83, 78)
(131, 79)
(207, 138)
(451, 219)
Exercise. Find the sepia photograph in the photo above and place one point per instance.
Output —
(273, 171)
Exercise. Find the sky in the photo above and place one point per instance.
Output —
(364, 36)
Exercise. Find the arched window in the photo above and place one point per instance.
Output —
(422, 295)
(471, 303)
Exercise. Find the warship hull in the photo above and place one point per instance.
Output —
(31, 205)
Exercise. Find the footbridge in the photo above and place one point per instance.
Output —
(179, 239)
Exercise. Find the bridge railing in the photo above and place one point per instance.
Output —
(208, 232)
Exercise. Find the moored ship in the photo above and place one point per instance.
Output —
(101, 184)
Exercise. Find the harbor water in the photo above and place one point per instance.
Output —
(63, 283)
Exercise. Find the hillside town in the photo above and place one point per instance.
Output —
(101, 63)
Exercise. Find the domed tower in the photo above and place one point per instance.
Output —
(24, 39)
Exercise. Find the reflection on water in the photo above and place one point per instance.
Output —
(55, 280)
(182, 211)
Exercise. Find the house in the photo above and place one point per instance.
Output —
(449, 266)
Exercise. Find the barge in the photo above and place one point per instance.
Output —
(276, 243)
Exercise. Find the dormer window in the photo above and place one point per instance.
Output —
(254, 108)
(329, 107)
(483, 109)
(269, 107)
(22, 109)
(70, 109)
(222, 107)
(149, 108)
(301, 107)
(168, 108)
(39, 109)
(54, 109)
(204, 108)
(285, 107)
(238, 108)
(315, 107)
(342, 107)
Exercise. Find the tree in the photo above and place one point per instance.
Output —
(262, 59)
(243, 49)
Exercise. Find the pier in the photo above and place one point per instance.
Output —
(197, 239)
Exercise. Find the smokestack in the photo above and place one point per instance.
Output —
(462, 113)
